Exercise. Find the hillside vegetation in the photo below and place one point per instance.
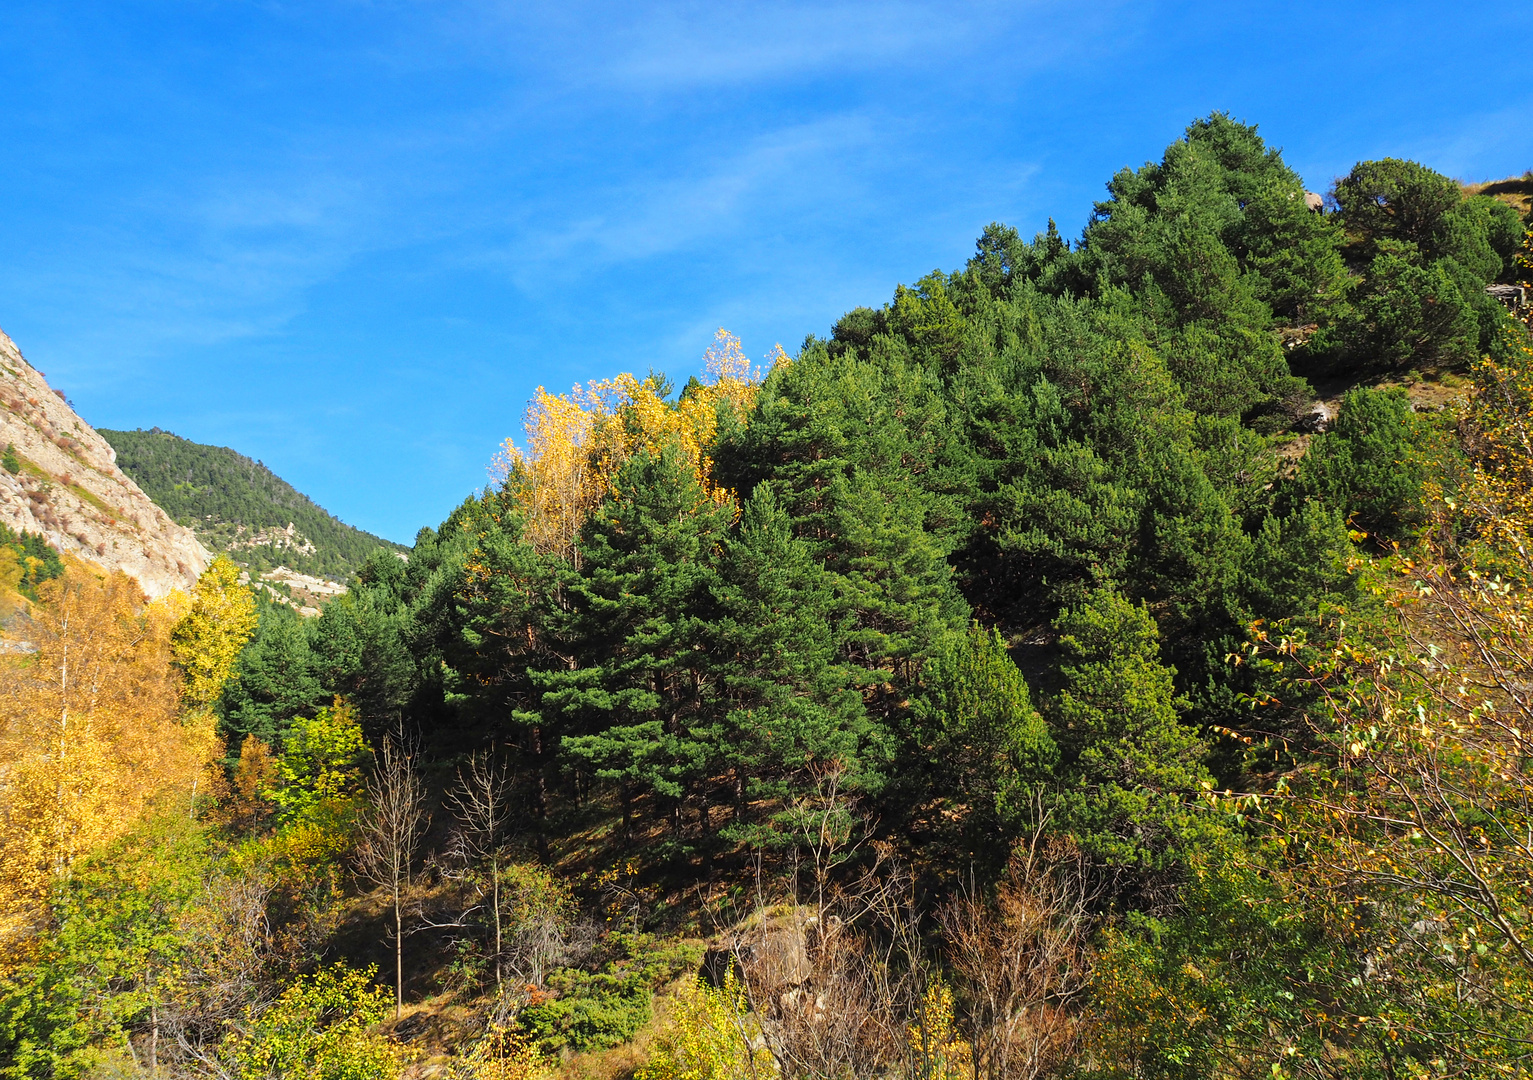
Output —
(1032, 676)
(239, 506)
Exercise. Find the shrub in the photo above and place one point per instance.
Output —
(1371, 466)
(317, 1029)
(503, 1055)
(1411, 316)
(597, 1010)
(708, 1036)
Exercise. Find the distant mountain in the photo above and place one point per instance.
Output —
(240, 506)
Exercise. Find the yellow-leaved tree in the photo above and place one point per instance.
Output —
(576, 442)
(208, 639)
(90, 735)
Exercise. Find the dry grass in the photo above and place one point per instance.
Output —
(1516, 191)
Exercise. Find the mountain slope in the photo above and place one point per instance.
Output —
(240, 506)
(59, 479)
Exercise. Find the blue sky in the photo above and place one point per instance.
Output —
(351, 238)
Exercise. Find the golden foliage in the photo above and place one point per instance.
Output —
(709, 1035)
(577, 442)
(255, 772)
(934, 1043)
(208, 639)
(89, 735)
(12, 573)
(1496, 501)
(504, 1054)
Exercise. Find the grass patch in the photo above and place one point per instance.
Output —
(32, 468)
(89, 497)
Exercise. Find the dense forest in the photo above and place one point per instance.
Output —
(1109, 658)
(239, 506)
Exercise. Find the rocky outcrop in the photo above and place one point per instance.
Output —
(304, 593)
(66, 485)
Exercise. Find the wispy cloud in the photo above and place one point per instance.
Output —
(688, 46)
(678, 209)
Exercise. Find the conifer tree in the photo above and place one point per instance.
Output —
(981, 748)
(359, 644)
(848, 447)
(498, 620)
(273, 681)
(1130, 770)
(779, 703)
(638, 629)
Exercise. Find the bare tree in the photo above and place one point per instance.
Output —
(482, 805)
(821, 970)
(1022, 961)
(391, 832)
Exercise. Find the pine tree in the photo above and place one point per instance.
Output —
(273, 681)
(1131, 770)
(779, 705)
(637, 627)
(849, 447)
(980, 750)
(497, 620)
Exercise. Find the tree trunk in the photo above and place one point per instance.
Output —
(495, 899)
(539, 798)
(399, 959)
(154, 1038)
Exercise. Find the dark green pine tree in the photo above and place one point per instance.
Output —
(360, 644)
(1372, 465)
(848, 447)
(1131, 772)
(637, 627)
(273, 681)
(781, 708)
(978, 751)
(493, 616)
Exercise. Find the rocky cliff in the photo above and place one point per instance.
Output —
(61, 479)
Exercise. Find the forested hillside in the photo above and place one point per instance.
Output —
(1108, 658)
(239, 506)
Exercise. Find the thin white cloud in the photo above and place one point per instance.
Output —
(657, 215)
(688, 46)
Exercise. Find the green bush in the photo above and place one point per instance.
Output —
(1411, 316)
(600, 1009)
(1371, 467)
(116, 944)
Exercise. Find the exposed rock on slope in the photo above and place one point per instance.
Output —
(68, 487)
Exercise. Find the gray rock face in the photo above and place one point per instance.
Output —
(70, 490)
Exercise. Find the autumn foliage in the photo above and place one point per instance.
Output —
(208, 639)
(90, 735)
(576, 442)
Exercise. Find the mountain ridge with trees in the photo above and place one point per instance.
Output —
(239, 506)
